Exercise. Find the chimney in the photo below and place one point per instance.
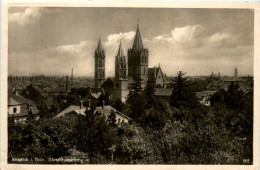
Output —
(103, 104)
(89, 103)
(71, 75)
(81, 104)
(154, 72)
(67, 84)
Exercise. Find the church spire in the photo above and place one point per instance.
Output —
(138, 40)
(120, 52)
(99, 47)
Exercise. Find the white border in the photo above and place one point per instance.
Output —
(149, 4)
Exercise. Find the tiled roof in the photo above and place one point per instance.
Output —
(151, 74)
(138, 40)
(205, 93)
(242, 85)
(163, 92)
(96, 95)
(18, 100)
(106, 111)
(71, 108)
(24, 111)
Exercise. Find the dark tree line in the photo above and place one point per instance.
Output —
(178, 130)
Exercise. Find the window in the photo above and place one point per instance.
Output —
(124, 75)
(15, 110)
(144, 70)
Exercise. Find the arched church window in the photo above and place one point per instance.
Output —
(117, 85)
(144, 70)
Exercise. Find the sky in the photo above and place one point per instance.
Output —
(51, 41)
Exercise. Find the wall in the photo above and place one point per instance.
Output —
(11, 109)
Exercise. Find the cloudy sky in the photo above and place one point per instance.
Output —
(51, 40)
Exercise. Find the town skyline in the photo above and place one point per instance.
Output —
(193, 43)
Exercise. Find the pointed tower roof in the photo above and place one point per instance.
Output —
(120, 50)
(99, 47)
(138, 40)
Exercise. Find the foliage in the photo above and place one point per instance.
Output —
(136, 100)
(94, 135)
(104, 97)
(108, 86)
(43, 139)
(179, 131)
(182, 95)
(118, 105)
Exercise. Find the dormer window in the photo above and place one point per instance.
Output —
(14, 110)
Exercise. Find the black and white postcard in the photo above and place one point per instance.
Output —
(159, 85)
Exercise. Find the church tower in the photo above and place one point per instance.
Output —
(138, 60)
(120, 81)
(99, 65)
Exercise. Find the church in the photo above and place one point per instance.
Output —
(134, 67)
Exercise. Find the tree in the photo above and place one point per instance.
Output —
(118, 105)
(95, 135)
(149, 95)
(234, 97)
(182, 95)
(103, 98)
(108, 86)
(112, 119)
(136, 99)
(33, 94)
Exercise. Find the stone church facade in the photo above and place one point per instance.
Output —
(135, 68)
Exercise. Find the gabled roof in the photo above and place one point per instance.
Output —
(152, 74)
(18, 100)
(76, 109)
(14, 100)
(107, 110)
(96, 95)
(138, 40)
(69, 109)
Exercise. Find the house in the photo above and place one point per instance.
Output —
(156, 77)
(19, 108)
(104, 109)
(93, 95)
(204, 97)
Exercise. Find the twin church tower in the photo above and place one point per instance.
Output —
(134, 68)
